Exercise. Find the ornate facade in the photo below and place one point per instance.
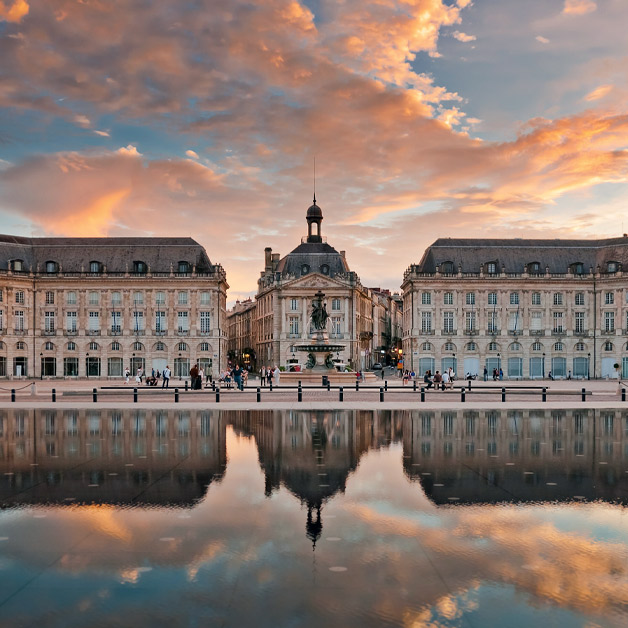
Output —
(90, 307)
(527, 307)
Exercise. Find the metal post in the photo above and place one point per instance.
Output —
(462, 394)
(503, 394)
(584, 394)
(94, 395)
(341, 394)
(135, 395)
(213, 385)
(300, 393)
(469, 385)
(176, 395)
(54, 395)
(357, 384)
(381, 394)
(422, 393)
(271, 385)
(386, 385)
(544, 394)
(623, 394)
(12, 394)
(414, 385)
(186, 385)
(218, 395)
(328, 385)
(259, 394)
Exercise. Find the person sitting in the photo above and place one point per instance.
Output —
(438, 378)
(427, 379)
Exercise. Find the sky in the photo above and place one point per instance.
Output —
(203, 118)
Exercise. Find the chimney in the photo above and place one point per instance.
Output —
(267, 257)
(342, 253)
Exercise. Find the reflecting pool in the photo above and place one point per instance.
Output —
(341, 518)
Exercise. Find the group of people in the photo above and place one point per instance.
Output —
(498, 374)
(152, 379)
(439, 380)
(268, 375)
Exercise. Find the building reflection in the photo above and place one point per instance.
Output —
(518, 456)
(134, 458)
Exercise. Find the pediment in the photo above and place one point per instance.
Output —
(314, 281)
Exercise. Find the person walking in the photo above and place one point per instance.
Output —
(262, 376)
(276, 374)
(237, 376)
(166, 374)
(127, 374)
(485, 374)
(201, 377)
(501, 374)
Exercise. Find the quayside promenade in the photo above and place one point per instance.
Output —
(389, 393)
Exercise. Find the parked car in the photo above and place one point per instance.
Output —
(377, 366)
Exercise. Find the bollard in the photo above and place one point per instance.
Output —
(357, 384)
(12, 394)
(259, 394)
(300, 393)
(328, 386)
(623, 394)
(584, 394)
(463, 394)
(341, 394)
(271, 385)
(414, 385)
(176, 395)
(422, 393)
(94, 395)
(386, 385)
(135, 395)
(299, 383)
(186, 385)
(218, 395)
(544, 395)
(213, 386)
(54, 395)
(381, 394)
(503, 394)
(469, 385)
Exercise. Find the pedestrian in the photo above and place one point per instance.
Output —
(405, 377)
(138, 376)
(127, 374)
(427, 379)
(485, 374)
(550, 375)
(193, 376)
(201, 377)
(245, 377)
(237, 376)
(438, 378)
(501, 374)
(494, 375)
(445, 379)
(569, 374)
(166, 382)
(276, 374)
(262, 376)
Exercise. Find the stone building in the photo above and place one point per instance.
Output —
(89, 307)
(241, 334)
(528, 307)
(286, 288)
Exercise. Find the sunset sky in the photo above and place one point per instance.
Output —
(427, 118)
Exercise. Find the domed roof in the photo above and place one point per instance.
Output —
(314, 211)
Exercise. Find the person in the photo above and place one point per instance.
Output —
(412, 376)
(138, 376)
(501, 374)
(193, 376)
(485, 374)
(152, 374)
(438, 378)
(276, 373)
(201, 377)
(451, 374)
(427, 379)
(494, 375)
(445, 379)
(245, 377)
(405, 377)
(127, 374)
(569, 374)
(262, 376)
(166, 382)
(550, 375)
(237, 376)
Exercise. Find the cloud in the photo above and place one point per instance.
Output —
(13, 10)
(543, 40)
(599, 92)
(463, 36)
(192, 154)
(102, 133)
(579, 7)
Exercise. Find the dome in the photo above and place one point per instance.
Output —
(314, 211)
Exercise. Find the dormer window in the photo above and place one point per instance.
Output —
(612, 267)
(95, 267)
(139, 268)
(305, 269)
(16, 265)
(534, 267)
(52, 267)
(447, 268)
(325, 269)
(491, 268)
(577, 268)
(183, 267)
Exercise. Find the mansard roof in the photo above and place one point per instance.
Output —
(513, 255)
(314, 255)
(116, 254)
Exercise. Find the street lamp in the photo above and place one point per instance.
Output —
(543, 366)
(41, 366)
(499, 364)
(87, 365)
(588, 366)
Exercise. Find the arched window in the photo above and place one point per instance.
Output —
(139, 267)
(493, 346)
(51, 267)
(608, 346)
(93, 346)
(204, 346)
(71, 346)
(577, 268)
(449, 346)
(183, 267)
(612, 267)
(115, 346)
(95, 267)
(160, 346)
(471, 346)
(20, 346)
(16, 265)
(534, 268)
(559, 346)
(138, 346)
(580, 346)
(537, 346)
(182, 346)
(426, 346)
(515, 346)
(49, 346)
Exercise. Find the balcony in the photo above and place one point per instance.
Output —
(559, 332)
(160, 332)
(70, 332)
(607, 332)
(493, 331)
(581, 332)
(49, 332)
(448, 332)
(428, 332)
(470, 332)
(20, 332)
(116, 330)
(537, 332)
(93, 332)
(209, 333)
(139, 332)
(515, 332)
(183, 332)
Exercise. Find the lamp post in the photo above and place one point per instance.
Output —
(588, 366)
(383, 365)
(87, 365)
(499, 364)
(41, 366)
(543, 366)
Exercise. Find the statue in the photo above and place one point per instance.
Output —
(319, 312)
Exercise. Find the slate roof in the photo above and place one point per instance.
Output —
(117, 254)
(314, 255)
(514, 254)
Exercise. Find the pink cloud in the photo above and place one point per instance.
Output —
(579, 7)
(13, 10)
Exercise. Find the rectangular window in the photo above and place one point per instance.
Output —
(536, 321)
(205, 298)
(160, 321)
(94, 298)
(536, 298)
(336, 326)
(294, 304)
(470, 298)
(558, 322)
(70, 321)
(579, 298)
(70, 298)
(160, 298)
(491, 268)
(335, 305)
(492, 298)
(49, 321)
(448, 298)
(50, 297)
(514, 298)
(116, 322)
(558, 298)
(116, 298)
(514, 321)
(426, 298)
(19, 297)
(94, 321)
(579, 322)
(114, 367)
(183, 322)
(294, 325)
(609, 321)
(1, 320)
(70, 367)
(609, 298)
(469, 321)
(19, 320)
(492, 322)
(138, 298)
(205, 322)
(183, 298)
(448, 322)
(138, 321)
(426, 321)
(1, 296)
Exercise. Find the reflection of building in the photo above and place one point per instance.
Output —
(517, 456)
(138, 457)
(77, 307)
(526, 306)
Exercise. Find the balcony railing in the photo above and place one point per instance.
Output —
(139, 332)
(183, 332)
(558, 332)
(70, 332)
(50, 332)
(493, 331)
(448, 332)
(20, 332)
(514, 332)
(116, 330)
(537, 332)
(581, 332)
(93, 332)
(426, 332)
(470, 332)
(608, 332)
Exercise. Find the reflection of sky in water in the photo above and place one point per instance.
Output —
(386, 554)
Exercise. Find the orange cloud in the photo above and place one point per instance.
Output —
(579, 7)
(13, 11)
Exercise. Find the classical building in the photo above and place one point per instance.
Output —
(241, 334)
(527, 307)
(286, 288)
(89, 307)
